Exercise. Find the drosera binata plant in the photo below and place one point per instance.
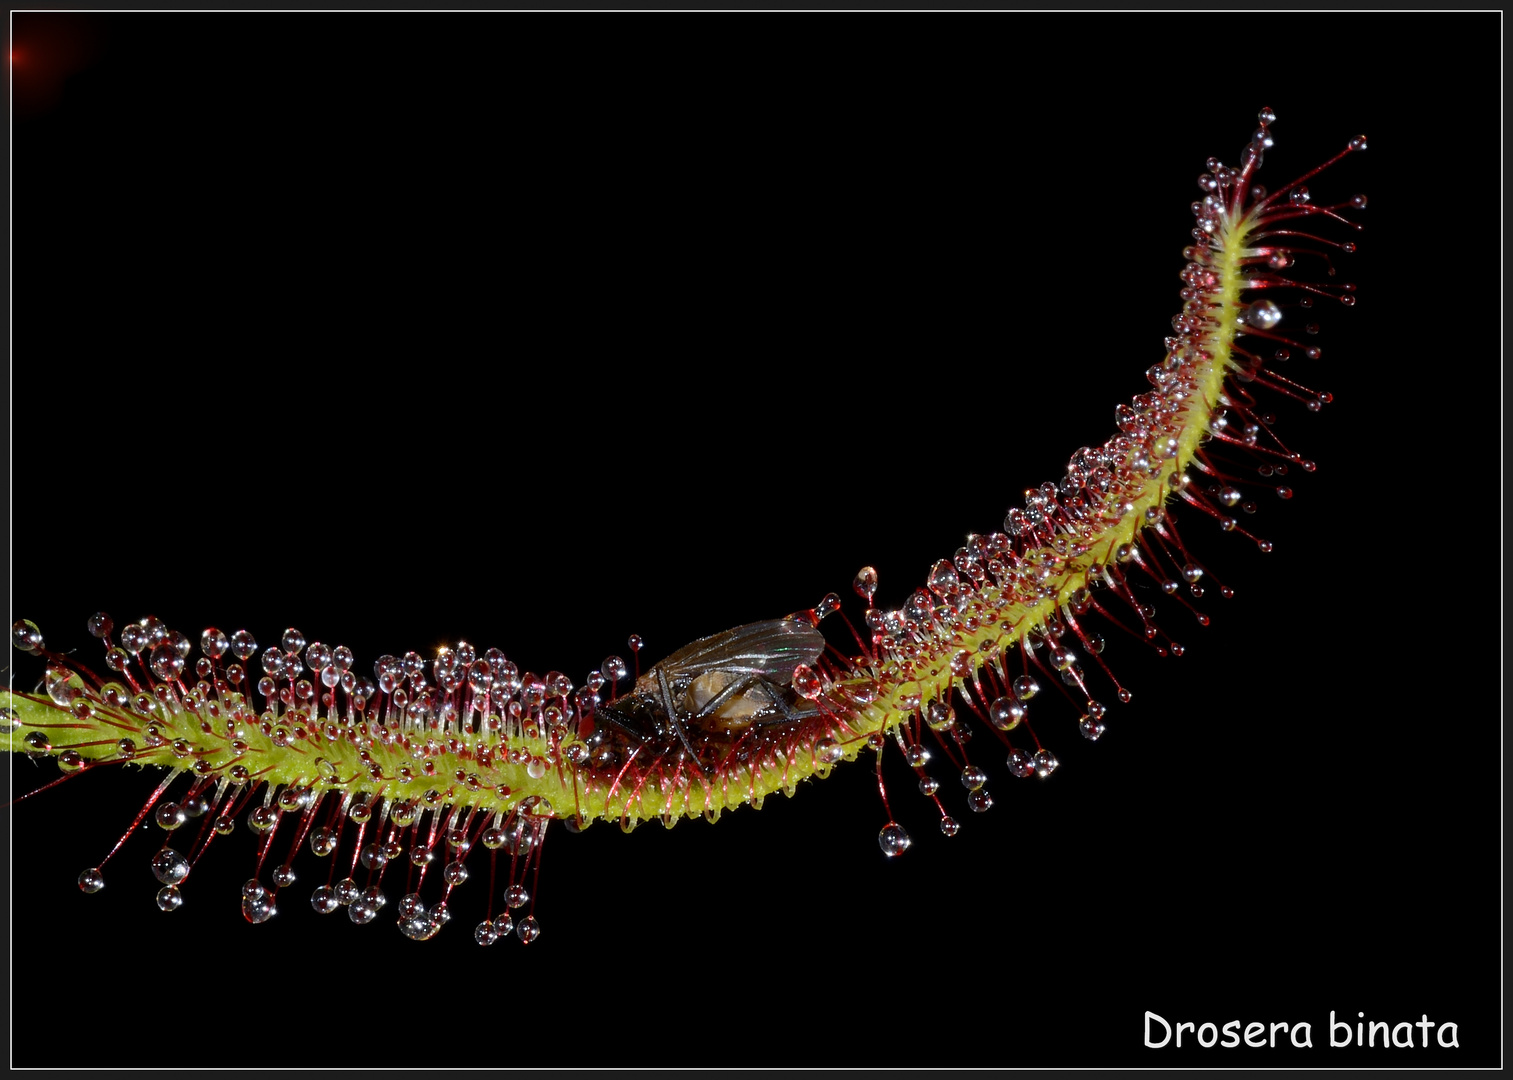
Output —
(415, 774)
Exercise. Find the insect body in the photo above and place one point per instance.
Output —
(713, 691)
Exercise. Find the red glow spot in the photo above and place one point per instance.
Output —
(49, 47)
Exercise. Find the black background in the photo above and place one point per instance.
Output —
(310, 314)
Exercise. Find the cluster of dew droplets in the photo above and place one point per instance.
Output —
(480, 708)
(1058, 530)
(1278, 240)
(919, 634)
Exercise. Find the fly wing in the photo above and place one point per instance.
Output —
(771, 649)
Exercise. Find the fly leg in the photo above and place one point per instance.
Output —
(608, 717)
(677, 722)
(727, 693)
(790, 713)
(775, 691)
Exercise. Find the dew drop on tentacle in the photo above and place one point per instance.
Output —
(1005, 714)
(893, 839)
(25, 636)
(827, 751)
(806, 683)
(169, 867)
(865, 584)
(1021, 763)
(258, 908)
(1263, 315)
